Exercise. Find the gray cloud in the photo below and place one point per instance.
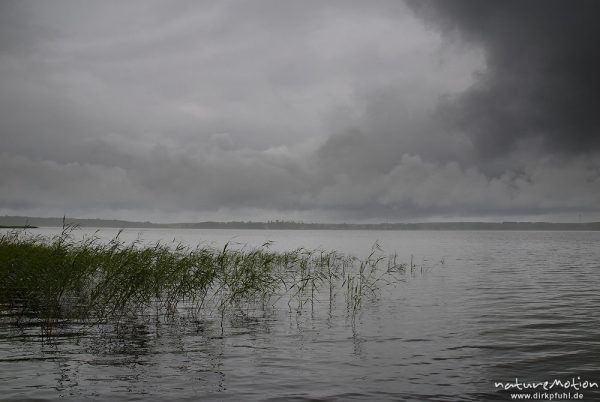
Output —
(540, 79)
(318, 111)
(276, 183)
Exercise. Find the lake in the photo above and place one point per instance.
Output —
(480, 308)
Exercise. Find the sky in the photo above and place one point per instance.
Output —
(315, 111)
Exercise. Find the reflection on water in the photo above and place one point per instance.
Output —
(502, 305)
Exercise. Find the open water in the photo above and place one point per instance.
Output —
(480, 308)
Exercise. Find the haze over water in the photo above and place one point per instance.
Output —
(479, 308)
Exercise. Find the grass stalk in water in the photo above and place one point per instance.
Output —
(52, 280)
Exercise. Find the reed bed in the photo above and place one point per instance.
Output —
(48, 281)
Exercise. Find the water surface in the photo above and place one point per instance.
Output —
(479, 308)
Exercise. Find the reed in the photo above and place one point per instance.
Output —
(53, 280)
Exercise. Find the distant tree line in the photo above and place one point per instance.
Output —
(24, 221)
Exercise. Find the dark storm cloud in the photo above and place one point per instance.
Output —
(541, 81)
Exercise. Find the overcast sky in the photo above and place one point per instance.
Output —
(306, 110)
